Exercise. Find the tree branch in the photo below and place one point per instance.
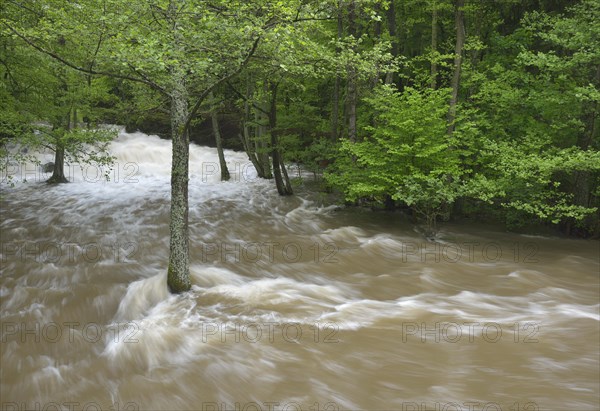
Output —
(22, 6)
(10, 75)
(246, 99)
(223, 79)
(83, 69)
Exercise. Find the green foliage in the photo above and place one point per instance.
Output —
(43, 107)
(537, 109)
(406, 154)
(82, 146)
(312, 157)
(527, 181)
(525, 142)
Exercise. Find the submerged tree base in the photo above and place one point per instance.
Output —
(176, 284)
(57, 180)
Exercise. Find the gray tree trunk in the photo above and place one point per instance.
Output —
(335, 110)
(352, 97)
(286, 179)
(245, 139)
(391, 21)
(434, 39)
(178, 274)
(214, 116)
(284, 187)
(245, 136)
(58, 171)
(460, 42)
(582, 179)
(178, 278)
(261, 144)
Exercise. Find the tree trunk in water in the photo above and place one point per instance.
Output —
(460, 42)
(260, 143)
(178, 278)
(178, 275)
(225, 176)
(58, 173)
(286, 179)
(245, 137)
(284, 188)
(434, 45)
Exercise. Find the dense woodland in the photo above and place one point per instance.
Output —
(447, 108)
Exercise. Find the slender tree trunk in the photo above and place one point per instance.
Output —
(284, 188)
(262, 149)
(245, 136)
(214, 116)
(335, 111)
(476, 53)
(404, 44)
(261, 144)
(352, 97)
(178, 275)
(377, 28)
(391, 21)
(286, 179)
(434, 35)
(582, 186)
(460, 42)
(245, 139)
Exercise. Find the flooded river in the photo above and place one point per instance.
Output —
(294, 306)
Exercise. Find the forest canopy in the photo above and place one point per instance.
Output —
(445, 108)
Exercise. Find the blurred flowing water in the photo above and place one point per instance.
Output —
(294, 306)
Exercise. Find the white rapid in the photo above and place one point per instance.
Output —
(294, 306)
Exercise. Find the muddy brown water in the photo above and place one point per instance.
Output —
(294, 306)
